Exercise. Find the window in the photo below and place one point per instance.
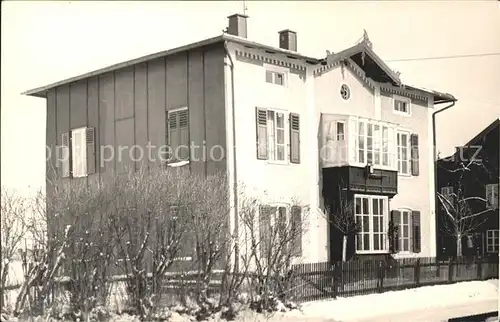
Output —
(178, 134)
(78, 153)
(372, 142)
(406, 238)
(492, 241)
(340, 131)
(403, 146)
(371, 214)
(447, 193)
(405, 231)
(401, 105)
(345, 92)
(492, 195)
(271, 135)
(275, 77)
(280, 228)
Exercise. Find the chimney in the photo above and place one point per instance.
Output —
(237, 25)
(288, 39)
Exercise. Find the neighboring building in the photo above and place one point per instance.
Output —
(474, 167)
(292, 126)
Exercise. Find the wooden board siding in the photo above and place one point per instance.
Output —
(214, 109)
(156, 106)
(140, 110)
(196, 107)
(78, 104)
(106, 122)
(93, 119)
(128, 107)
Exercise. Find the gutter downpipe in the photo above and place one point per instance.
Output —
(235, 181)
(435, 167)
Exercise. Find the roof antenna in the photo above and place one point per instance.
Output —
(245, 8)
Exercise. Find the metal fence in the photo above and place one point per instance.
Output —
(358, 277)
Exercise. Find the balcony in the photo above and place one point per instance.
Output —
(348, 140)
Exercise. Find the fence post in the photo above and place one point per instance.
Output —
(380, 274)
(335, 279)
(417, 272)
(479, 265)
(450, 270)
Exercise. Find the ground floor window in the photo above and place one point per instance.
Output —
(492, 241)
(371, 214)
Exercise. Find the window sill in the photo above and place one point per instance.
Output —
(401, 113)
(177, 164)
(372, 252)
(274, 162)
(81, 176)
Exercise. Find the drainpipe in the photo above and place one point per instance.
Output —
(235, 181)
(435, 167)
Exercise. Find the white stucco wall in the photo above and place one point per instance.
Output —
(276, 182)
(309, 96)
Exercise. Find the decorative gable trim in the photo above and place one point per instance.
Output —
(267, 60)
(388, 88)
(401, 91)
(351, 65)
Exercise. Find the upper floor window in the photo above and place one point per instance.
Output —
(345, 92)
(271, 135)
(372, 142)
(340, 131)
(492, 195)
(492, 241)
(178, 134)
(275, 77)
(447, 193)
(402, 105)
(403, 144)
(78, 152)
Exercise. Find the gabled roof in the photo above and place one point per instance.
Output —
(361, 54)
(374, 67)
(484, 132)
(471, 142)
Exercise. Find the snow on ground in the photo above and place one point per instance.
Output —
(423, 298)
(379, 307)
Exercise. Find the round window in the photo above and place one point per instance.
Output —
(345, 92)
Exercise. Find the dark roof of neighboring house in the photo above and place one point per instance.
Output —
(484, 132)
(362, 51)
(478, 136)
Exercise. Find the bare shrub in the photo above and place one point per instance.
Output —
(14, 210)
(274, 235)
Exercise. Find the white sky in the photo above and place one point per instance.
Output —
(44, 42)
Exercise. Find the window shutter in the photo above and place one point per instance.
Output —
(414, 155)
(264, 229)
(296, 230)
(184, 134)
(294, 122)
(172, 133)
(66, 155)
(90, 142)
(416, 231)
(261, 129)
(396, 220)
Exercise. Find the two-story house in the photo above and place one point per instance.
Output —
(270, 118)
(472, 173)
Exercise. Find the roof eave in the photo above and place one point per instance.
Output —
(42, 91)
